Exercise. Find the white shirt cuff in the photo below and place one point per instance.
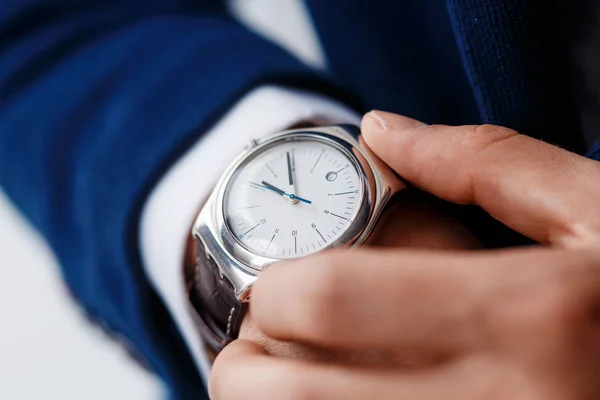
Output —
(172, 206)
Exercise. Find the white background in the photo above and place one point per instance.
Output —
(48, 350)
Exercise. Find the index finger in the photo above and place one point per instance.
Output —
(540, 190)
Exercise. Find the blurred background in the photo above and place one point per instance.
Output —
(48, 350)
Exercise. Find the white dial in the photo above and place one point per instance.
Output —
(293, 199)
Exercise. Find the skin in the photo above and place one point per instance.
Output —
(504, 324)
(418, 221)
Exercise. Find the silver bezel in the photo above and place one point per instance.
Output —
(239, 264)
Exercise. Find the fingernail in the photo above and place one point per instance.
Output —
(379, 120)
(386, 121)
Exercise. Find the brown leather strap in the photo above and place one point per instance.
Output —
(208, 295)
(213, 298)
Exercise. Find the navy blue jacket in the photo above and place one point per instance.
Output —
(99, 97)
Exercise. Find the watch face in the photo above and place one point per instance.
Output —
(293, 198)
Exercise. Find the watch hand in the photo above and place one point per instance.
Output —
(273, 189)
(291, 196)
(290, 174)
(267, 185)
(291, 163)
(294, 197)
(291, 169)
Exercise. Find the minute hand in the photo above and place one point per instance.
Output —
(290, 171)
(292, 196)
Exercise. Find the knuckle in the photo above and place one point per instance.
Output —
(493, 133)
(478, 146)
(482, 137)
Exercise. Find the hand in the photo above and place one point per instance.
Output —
(511, 324)
(417, 221)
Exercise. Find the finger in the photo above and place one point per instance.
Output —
(417, 220)
(380, 358)
(540, 190)
(368, 298)
(242, 371)
(402, 300)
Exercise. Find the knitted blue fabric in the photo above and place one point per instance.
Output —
(98, 98)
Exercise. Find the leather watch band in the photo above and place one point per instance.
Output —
(213, 298)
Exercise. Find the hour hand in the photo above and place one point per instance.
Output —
(267, 185)
(293, 198)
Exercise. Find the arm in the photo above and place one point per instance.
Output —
(96, 102)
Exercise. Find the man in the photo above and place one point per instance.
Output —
(100, 101)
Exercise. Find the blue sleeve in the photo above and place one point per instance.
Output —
(97, 98)
(594, 151)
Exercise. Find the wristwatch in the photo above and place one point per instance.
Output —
(288, 195)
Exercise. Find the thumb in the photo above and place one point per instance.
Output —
(540, 190)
